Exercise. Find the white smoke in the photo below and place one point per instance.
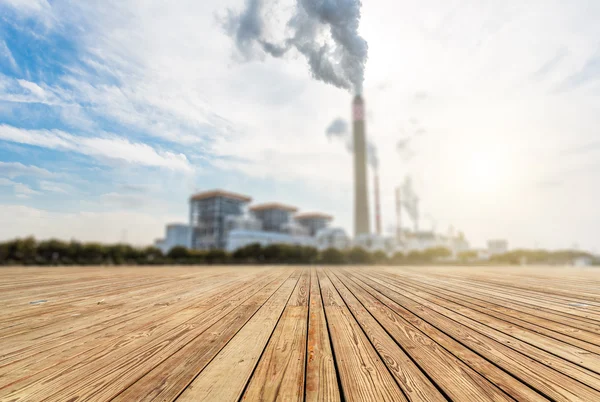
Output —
(339, 61)
(339, 129)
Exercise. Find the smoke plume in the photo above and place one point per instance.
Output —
(339, 129)
(339, 61)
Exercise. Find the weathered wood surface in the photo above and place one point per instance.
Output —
(300, 333)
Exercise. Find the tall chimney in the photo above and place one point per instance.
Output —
(361, 203)
(377, 203)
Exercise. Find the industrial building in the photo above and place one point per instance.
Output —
(224, 220)
(176, 235)
(313, 221)
(278, 218)
(208, 213)
(333, 238)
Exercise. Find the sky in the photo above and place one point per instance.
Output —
(113, 112)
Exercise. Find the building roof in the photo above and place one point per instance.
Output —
(313, 215)
(176, 224)
(220, 193)
(273, 205)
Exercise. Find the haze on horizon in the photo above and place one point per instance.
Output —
(112, 113)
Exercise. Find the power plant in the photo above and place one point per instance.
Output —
(361, 199)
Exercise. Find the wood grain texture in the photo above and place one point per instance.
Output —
(226, 375)
(363, 374)
(227, 333)
(321, 376)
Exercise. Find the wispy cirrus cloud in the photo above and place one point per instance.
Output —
(17, 169)
(6, 54)
(56, 187)
(21, 190)
(105, 148)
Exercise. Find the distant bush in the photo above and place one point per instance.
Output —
(28, 251)
(332, 256)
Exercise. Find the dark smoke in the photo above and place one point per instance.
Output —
(339, 128)
(340, 61)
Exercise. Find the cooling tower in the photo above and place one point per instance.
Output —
(361, 201)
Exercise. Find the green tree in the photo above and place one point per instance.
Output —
(467, 256)
(179, 255)
(93, 254)
(380, 257)
(309, 255)
(24, 251)
(358, 255)
(250, 254)
(150, 255)
(272, 254)
(332, 256)
(398, 258)
(216, 257)
(435, 253)
(51, 251)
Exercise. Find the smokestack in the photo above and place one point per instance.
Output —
(398, 215)
(377, 204)
(361, 203)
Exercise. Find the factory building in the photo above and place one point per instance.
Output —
(332, 238)
(273, 216)
(223, 220)
(313, 221)
(176, 235)
(241, 238)
(208, 214)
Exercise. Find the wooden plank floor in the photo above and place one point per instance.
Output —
(300, 333)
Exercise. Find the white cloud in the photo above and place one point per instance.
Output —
(21, 190)
(108, 148)
(111, 226)
(124, 200)
(32, 87)
(17, 169)
(54, 187)
(39, 9)
(7, 54)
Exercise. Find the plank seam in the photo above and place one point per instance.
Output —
(337, 371)
(396, 342)
(460, 343)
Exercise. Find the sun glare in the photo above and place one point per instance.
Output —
(484, 171)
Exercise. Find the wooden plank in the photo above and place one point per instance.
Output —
(563, 346)
(462, 374)
(110, 363)
(279, 375)
(169, 378)
(534, 346)
(102, 320)
(509, 304)
(321, 376)
(546, 380)
(226, 376)
(413, 382)
(565, 333)
(280, 371)
(363, 375)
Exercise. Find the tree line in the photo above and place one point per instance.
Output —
(28, 251)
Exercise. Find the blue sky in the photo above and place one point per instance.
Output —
(112, 113)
